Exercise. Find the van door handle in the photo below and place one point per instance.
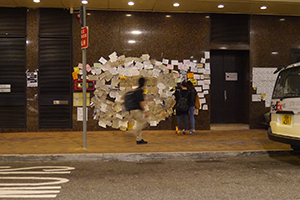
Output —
(225, 95)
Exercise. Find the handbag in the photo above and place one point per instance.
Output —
(197, 102)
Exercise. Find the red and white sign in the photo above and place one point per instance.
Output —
(84, 37)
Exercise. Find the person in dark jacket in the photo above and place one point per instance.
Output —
(182, 115)
(191, 103)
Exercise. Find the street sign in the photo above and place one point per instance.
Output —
(84, 37)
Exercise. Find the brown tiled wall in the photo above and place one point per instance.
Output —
(32, 65)
(267, 34)
(178, 37)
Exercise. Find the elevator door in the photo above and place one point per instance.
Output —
(227, 86)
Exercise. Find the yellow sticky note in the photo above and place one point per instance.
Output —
(76, 69)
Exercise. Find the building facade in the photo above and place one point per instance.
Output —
(46, 42)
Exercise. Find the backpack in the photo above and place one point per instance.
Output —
(182, 105)
(130, 100)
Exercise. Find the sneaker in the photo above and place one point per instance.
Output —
(191, 133)
(185, 132)
(178, 132)
(141, 142)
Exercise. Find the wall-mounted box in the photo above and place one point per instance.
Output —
(90, 85)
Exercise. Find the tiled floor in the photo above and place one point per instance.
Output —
(122, 142)
(229, 126)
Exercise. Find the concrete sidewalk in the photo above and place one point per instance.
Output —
(119, 145)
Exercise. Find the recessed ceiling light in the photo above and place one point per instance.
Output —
(128, 15)
(176, 4)
(131, 41)
(263, 7)
(207, 16)
(36, 1)
(168, 16)
(131, 3)
(282, 19)
(221, 6)
(274, 52)
(84, 2)
(136, 32)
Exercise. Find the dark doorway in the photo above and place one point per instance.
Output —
(12, 68)
(229, 86)
(55, 69)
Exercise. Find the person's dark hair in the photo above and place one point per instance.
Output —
(190, 85)
(142, 81)
(184, 84)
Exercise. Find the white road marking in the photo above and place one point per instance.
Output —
(45, 170)
(27, 196)
(36, 187)
(56, 181)
(29, 192)
(31, 188)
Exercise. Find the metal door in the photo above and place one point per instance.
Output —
(227, 85)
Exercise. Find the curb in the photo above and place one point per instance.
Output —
(139, 157)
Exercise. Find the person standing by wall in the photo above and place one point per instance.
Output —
(191, 103)
(182, 114)
(138, 111)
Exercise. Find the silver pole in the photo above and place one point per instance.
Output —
(83, 24)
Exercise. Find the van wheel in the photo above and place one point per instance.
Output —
(295, 147)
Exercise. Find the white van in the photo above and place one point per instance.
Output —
(285, 107)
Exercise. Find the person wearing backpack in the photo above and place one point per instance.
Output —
(137, 110)
(182, 97)
(191, 103)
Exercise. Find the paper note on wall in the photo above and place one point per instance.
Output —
(76, 69)
(80, 114)
(264, 80)
(190, 75)
(174, 62)
(207, 54)
(75, 75)
(165, 61)
(78, 99)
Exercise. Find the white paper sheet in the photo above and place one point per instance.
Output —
(102, 60)
(165, 61)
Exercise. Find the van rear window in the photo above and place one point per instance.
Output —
(287, 84)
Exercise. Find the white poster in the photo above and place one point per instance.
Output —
(80, 114)
(32, 79)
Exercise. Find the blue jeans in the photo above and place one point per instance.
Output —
(192, 117)
(186, 122)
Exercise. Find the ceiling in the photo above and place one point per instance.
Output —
(274, 7)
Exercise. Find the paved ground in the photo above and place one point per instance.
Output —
(122, 142)
(261, 177)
